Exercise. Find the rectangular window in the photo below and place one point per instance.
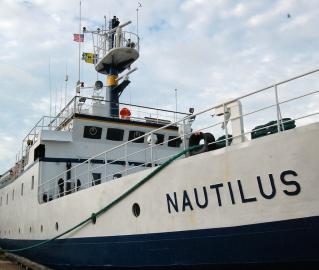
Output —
(39, 152)
(115, 134)
(1, 201)
(174, 141)
(22, 189)
(135, 134)
(91, 132)
(32, 182)
(96, 179)
(12, 194)
(160, 138)
(7, 198)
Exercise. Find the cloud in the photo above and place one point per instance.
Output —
(208, 50)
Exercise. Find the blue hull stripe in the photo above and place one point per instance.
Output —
(274, 242)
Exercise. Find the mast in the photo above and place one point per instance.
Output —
(80, 46)
(115, 50)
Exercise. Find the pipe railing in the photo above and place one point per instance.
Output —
(153, 155)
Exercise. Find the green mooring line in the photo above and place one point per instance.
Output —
(94, 216)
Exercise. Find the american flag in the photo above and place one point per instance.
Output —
(78, 37)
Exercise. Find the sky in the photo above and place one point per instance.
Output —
(208, 50)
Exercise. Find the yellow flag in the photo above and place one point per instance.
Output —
(90, 58)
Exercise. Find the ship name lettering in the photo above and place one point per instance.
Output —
(232, 192)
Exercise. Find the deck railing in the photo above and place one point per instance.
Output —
(85, 105)
(283, 102)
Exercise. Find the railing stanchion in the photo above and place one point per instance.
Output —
(105, 164)
(225, 125)
(56, 188)
(277, 109)
(184, 135)
(74, 176)
(151, 149)
(126, 162)
(88, 172)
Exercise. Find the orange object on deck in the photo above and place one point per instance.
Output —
(125, 113)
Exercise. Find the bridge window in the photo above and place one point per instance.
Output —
(115, 134)
(39, 152)
(174, 141)
(160, 138)
(44, 197)
(91, 132)
(135, 134)
(96, 179)
(61, 187)
(78, 185)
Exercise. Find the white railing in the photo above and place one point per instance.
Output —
(84, 105)
(286, 103)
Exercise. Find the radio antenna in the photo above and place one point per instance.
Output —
(139, 5)
(50, 88)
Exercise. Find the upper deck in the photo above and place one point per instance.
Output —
(95, 108)
(279, 107)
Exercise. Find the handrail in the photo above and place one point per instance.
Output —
(188, 117)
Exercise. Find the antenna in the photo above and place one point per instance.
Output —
(61, 97)
(139, 5)
(175, 104)
(50, 88)
(80, 45)
(55, 99)
(66, 84)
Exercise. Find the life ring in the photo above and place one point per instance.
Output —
(125, 113)
(208, 144)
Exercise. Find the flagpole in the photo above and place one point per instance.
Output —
(80, 46)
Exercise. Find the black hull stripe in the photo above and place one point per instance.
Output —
(287, 241)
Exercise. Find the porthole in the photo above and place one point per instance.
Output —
(56, 226)
(136, 210)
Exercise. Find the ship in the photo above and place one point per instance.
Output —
(105, 184)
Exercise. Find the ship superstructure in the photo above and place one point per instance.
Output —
(89, 125)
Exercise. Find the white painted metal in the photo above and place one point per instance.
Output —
(295, 149)
(220, 166)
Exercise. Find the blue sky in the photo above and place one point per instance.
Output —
(208, 50)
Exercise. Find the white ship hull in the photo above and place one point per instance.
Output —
(214, 208)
